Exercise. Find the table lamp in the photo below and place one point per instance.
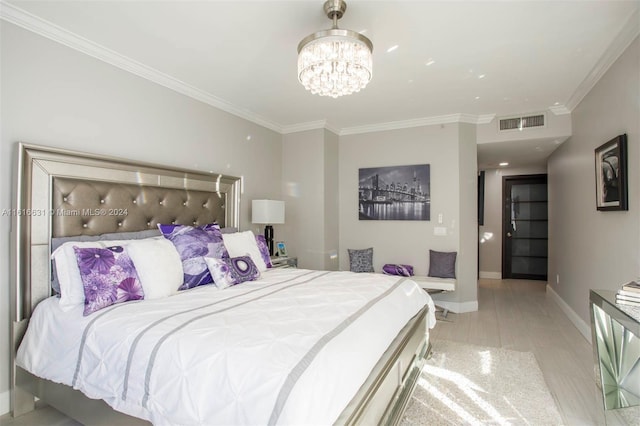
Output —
(267, 212)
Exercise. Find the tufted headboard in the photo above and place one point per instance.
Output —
(62, 193)
(84, 207)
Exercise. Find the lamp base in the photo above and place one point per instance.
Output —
(268, 235)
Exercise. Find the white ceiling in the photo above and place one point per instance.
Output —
(517, 153)
(473, 58)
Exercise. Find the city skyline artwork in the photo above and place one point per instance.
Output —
(394, 193)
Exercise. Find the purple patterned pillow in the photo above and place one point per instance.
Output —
(232, 270)
(108, 277)
(193, 244)
(393, 269)
(264, 250)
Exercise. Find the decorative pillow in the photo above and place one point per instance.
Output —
(68, 274)
(231, 271)
(242, 244)
(442, 264)
(361, 260)
(119, 236)
(108, 276)
(193, 244)
(158, 265)
(394, 269)
(264, 250)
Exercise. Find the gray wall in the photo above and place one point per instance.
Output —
(331, 206)
(591, 249)
(491, 249)
(55, 96)
(468, 220)
(451, 151)
(310, 181)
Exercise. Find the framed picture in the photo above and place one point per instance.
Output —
(394, 193)
(611, 174)
(281, 249)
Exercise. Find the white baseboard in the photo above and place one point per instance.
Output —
(582, 326)
(5, 402)
(458, 307)
(491, 275)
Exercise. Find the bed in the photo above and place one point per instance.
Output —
(293, 347)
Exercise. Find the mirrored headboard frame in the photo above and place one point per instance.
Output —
(38, 207)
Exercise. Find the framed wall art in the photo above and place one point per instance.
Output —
(394, 193)
(611, 174)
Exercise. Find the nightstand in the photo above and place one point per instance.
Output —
(284, 262)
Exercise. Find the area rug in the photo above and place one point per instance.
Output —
(465, 384)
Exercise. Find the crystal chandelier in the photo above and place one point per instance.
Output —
(334, 62)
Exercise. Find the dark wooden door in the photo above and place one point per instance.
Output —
(524, 236)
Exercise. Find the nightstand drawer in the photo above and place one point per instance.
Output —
(284, 262)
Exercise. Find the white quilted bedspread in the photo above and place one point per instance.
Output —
(290, 348)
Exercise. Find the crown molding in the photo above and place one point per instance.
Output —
(302, 127)
(483, 119)
(332, 129)
(418, 122)
(309, 125)
(28, 21)
(559, 110)
(393, 125)
(627, 34)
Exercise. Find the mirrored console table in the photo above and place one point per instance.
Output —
(615, 332)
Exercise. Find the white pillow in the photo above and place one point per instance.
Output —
(71, 287)
(158, 265)
(242, 244)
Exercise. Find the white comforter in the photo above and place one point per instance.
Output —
(290, 348)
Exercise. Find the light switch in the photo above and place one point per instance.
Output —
(440, 231)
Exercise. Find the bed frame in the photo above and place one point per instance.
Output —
(62, 193)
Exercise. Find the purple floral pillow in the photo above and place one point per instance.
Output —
(232, 270)
(108, 277)
(264, 250)
(193, 244)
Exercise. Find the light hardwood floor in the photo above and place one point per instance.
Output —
(519, 315)
(513, 314)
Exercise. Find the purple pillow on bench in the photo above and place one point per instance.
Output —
(393, 269)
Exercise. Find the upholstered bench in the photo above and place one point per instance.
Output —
(433, 283)
(436, 285)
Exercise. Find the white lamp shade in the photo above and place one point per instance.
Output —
(267, 211)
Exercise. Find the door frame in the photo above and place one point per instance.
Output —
(506, 223)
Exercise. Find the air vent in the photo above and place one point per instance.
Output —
(519, 123)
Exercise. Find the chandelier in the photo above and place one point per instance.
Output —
(334, 62)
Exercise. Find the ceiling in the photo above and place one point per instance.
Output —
(471, 59)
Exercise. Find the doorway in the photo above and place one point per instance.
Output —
(525, 227)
